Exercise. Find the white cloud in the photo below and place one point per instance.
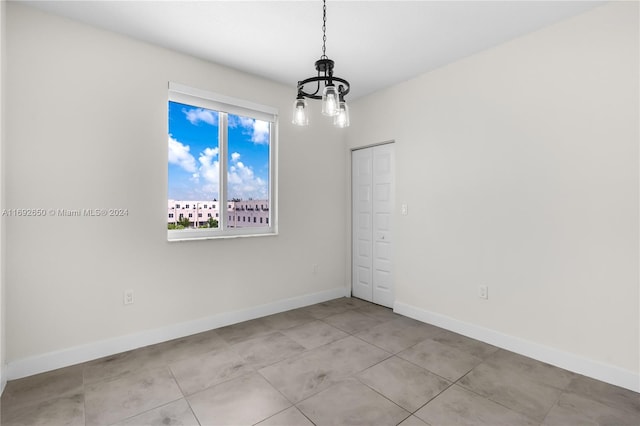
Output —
(209, 170)
(179, 155)
(246, 122)
(243, 183)
(260, 131)
(210, 152)
(205, 173)
(196, 115)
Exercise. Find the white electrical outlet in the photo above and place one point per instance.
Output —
(404, 210)
(483, 292)
(128, 297)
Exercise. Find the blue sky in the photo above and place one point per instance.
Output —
(194, 159)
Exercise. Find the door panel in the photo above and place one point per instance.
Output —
(361, 166)
(383, 204)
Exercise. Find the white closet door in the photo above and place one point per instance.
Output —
(373, 203)
(362, 206)
(383, 203)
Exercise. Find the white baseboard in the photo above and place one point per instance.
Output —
(66, 357)
(577, 364)
(3, 378)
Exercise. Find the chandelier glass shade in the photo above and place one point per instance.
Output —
(325, 86)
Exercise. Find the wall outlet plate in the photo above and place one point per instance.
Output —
(128, 297)
(483, 292)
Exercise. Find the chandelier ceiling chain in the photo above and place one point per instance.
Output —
(324, 30)
(333, 102)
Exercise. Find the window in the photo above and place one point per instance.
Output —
(220, 149)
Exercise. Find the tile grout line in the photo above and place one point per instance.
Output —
(183, 394)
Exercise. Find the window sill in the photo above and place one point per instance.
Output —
(179, 236)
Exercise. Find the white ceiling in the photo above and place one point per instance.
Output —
(375, 44)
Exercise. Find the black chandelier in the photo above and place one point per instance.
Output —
(333, 103)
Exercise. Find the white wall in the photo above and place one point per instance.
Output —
(519, 166)
(3, 377)
(87, 128)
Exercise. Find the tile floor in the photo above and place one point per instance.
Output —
(342, 362)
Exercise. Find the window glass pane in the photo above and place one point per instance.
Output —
(248, 167)
(193, 164)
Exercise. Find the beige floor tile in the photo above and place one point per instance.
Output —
(349, 402)
(566, 415)
(404, 383)
(244, 331)
(350, 302)
(177, 413)
(120, 365)
(413, 421)
(66, 410)
(41, 387)
(285, 320)
(352, 321)
(243, 401)
(153, 356)
(575, 409)
(302, 376)
(116, 399)
(378, 312)
(443, 360)
(457, 406)
(186, 347)
(314, 334)
(618, 398)
(465, 344)
(266, 350)
(289, 417)
(325, 309)
(511, 390)
(200, 372)
(531, 369)
(398, 335)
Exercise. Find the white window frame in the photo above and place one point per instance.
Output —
(225, 105)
